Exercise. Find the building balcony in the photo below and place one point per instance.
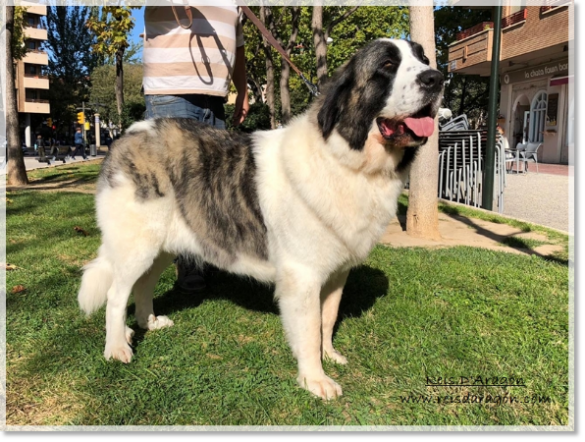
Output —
(531, 33)
(551, 5)
(37, 33)
(34, 8)
(35, 82)
(36, 106)
(36, 57)
(471, 54)
(515, 19)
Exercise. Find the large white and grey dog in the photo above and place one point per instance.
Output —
(299, 206)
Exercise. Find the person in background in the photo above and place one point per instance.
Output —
(501, 136)
(79, 144)
(191, 56)
(40, 144)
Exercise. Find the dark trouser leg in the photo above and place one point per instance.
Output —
(190, 274)
(209, 110)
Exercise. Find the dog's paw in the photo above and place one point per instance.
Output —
(156, 322)
(322, 386)
(129, 335)
(122, 353)
(336, 357)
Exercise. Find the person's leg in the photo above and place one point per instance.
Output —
(190, 276)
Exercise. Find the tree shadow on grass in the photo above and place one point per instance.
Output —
(520, 244)
(71, 185)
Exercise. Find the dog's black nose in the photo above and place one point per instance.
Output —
(430, 80)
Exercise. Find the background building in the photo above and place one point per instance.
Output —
(535, 104)
(31, 84)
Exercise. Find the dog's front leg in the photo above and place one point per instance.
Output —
(298, 291)
(330, 298)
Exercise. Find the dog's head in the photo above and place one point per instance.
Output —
(388, 87)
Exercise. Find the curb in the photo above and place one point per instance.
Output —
(491, 212)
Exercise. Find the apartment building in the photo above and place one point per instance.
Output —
(31, 84)
(536, 102)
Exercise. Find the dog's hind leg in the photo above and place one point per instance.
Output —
(144, 291)
(128, 268)
(298, 294)
(330, 299)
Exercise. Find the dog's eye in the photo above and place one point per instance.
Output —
(425, 60)
(388, 64)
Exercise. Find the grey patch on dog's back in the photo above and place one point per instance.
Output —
(212, 173)
(133, 157)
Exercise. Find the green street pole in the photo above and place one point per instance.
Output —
(487, 193)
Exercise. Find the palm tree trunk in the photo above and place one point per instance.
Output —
(422, 217)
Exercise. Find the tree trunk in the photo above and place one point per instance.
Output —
(285, 67)
(285, 93)
(422, 217)
(120, 84)
(266, 17)
(256, 88)
(16, 168)
(320, 44)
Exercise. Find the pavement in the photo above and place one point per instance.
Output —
(32, 163)
(541, 198)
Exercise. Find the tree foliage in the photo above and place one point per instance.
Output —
(464, 94)
(71, 60)
(17, 41)
(70, 45)
(111, 25)
(348, 34)
(103, 92)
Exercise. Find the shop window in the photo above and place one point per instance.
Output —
(537, 118)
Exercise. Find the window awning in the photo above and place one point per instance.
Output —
(559, 80)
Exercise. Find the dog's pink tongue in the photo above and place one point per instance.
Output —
(422, 127)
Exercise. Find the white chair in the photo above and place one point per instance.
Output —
(514, 156)
(531, 154)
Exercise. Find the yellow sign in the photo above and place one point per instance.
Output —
(87, 125)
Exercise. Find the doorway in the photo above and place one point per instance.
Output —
(521, 122)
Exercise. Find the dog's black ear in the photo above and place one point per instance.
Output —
(337, 92)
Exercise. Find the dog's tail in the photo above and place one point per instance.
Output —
(97, 279)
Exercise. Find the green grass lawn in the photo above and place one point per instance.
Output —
(406, 314)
